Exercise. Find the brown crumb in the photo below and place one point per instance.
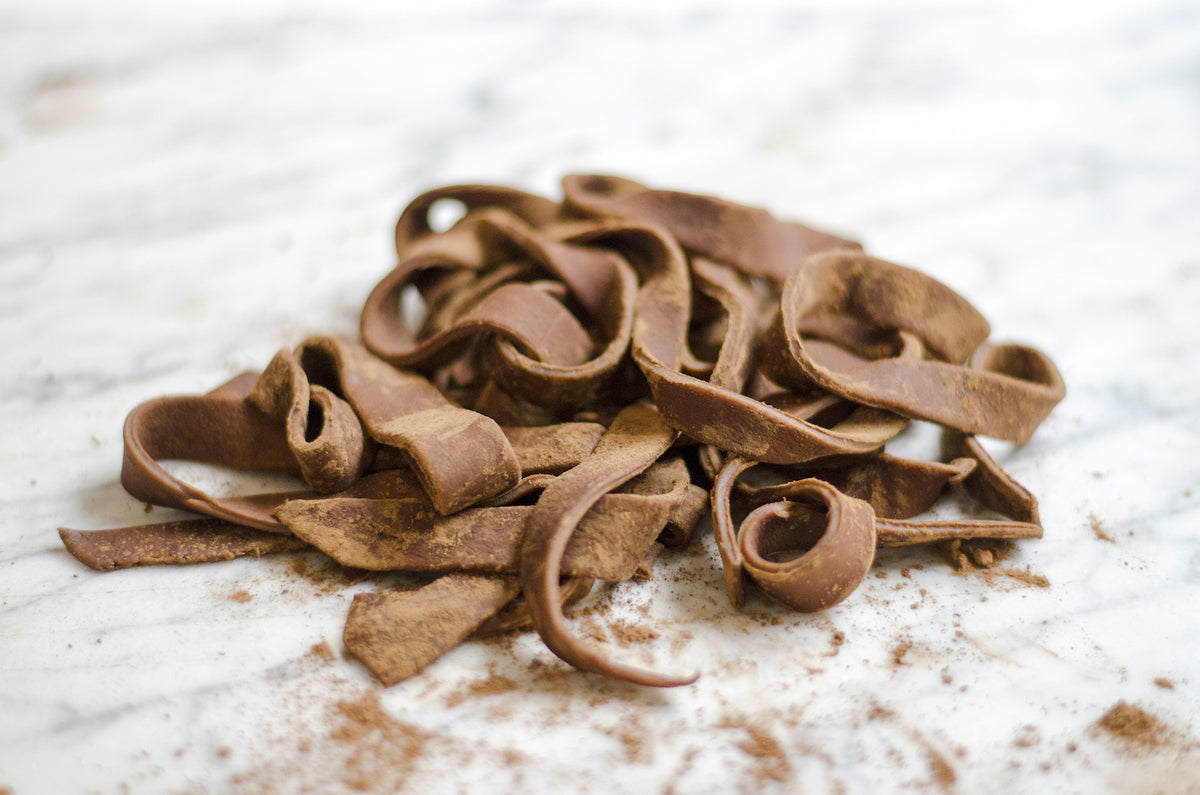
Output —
(1133, 726)
(1098, 529)
(976, 554)
(1164, 683)
(240, 596)
(899, 651)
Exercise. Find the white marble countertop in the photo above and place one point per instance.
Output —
(182, 193)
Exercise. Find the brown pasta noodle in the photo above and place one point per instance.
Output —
(548, 393)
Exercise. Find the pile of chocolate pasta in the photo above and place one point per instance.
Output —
(548, 393)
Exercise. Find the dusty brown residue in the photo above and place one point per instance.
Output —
(328, 577)
(943, 773)
(880, 713)
(491, 685)
(1026, 577)
(1098, 529)
(773, 763)
(975, 554)
(1133, 726)
(635, 738)
(629, 634)
(1164, 683)
(240, 596)
(982, 557)
(384, 748)
(322, 651)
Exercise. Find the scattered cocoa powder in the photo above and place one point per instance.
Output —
(1133, 726)
(970, 555)
(983, 556)
(384, 749)
(491, 685)
(901, 649)
(633, 735)
(240, 596)
(1098, 529)
(1027, 577)
(943, 773)
(1027, 737)
(327, 576)
(630, 634)
(773, 763)
(1164, 683)
(322, 651)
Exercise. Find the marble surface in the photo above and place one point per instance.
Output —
(183, 192)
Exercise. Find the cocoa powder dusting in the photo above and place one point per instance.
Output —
(635, 739)
(1098, 529)
(492, 685)
(972, 555)
(326, 576)
(629, 634)
(943, 773)
(384, 749)
(772, 760)
(1026, 577)
(1133, 726)
(322, 651)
